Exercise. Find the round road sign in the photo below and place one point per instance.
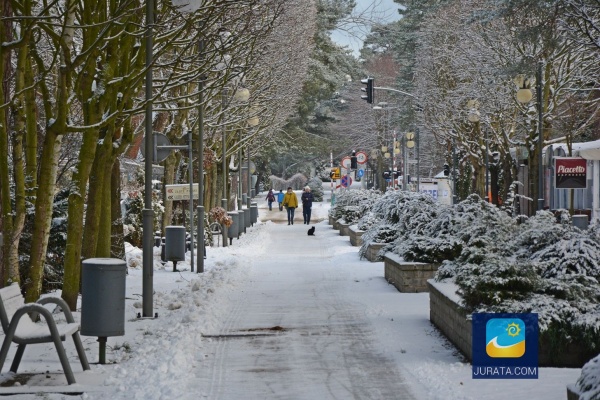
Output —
(346, 162)
(346, 181)
(361, 157)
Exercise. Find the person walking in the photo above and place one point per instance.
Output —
(280, 199)
(290, 202)
(270, 199)
(307, 200)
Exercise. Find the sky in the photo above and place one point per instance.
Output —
(381, 11)
(277, 315)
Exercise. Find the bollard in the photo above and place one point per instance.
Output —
(103, 300)
(241, 222)
(247, 218)
(253, 213)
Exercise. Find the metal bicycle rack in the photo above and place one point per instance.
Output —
(215, 230)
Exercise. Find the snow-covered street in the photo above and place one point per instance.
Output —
(280, 315)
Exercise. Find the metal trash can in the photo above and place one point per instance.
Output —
(580, 221)
(253, 213)
(103, 299)
(232, 230)
(175, 244)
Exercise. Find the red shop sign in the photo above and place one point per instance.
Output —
(570, 172)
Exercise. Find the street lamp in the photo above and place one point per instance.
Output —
(524, 95)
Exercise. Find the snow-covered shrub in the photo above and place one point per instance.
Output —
(494, 281)
(579, 255)
(539, 232)
(360, 202)
(431, 250)
(349, 214)
(467, 231)
(383, 233)
(316, 187)
(588, 383)
(367, 221)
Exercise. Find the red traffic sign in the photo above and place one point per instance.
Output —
(346, 162)
(346, 181)
(361, 157)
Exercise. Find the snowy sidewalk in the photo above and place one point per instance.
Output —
(297, 330)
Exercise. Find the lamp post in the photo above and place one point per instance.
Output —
(147, 212)
(224, 95)
(200, 208)
(524, 95)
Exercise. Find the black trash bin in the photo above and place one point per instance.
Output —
(175, 244)
(103, 299)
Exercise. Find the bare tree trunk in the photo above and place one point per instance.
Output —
(117, 249)
(43, 214)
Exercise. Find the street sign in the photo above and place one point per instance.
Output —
(361, 157)
(180, 192)
(360, 173)
(346, 162)
(346, 181)
(335, 173)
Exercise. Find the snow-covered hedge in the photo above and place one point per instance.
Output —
(540, 264)
(351, 205)
(394, 217)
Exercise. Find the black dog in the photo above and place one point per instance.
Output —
(311, 231)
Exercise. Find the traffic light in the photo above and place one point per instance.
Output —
(386, 175)
(446, 170)
(353, 162)
(369, 90)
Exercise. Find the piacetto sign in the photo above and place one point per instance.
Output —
(570, 172)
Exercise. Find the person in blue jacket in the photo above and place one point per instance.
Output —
(307, 200)
(280, 199)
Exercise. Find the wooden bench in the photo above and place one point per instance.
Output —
(22, 330)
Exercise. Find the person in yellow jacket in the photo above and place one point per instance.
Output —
(290, 202)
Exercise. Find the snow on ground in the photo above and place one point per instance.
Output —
(159, 358)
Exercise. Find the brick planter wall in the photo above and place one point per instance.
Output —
(344, 229)
(408, 277)
(372, 251)
(336, 224)
(449, 317)
(355, 235)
